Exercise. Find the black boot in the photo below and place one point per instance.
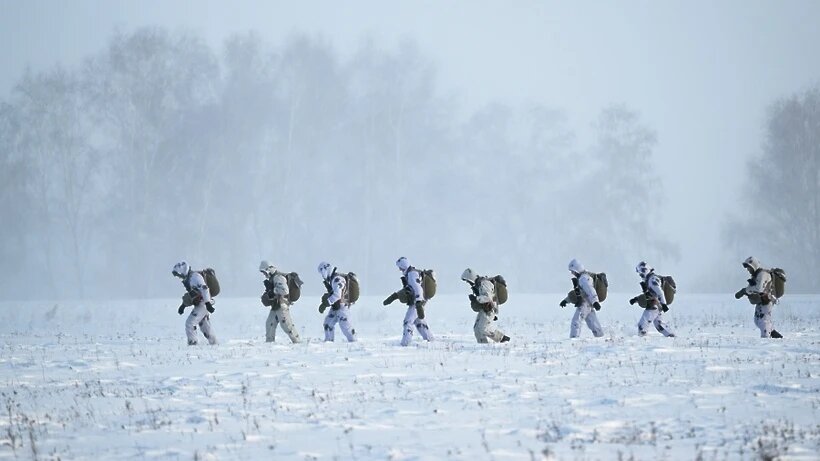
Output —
(505, 339)
(776, 334)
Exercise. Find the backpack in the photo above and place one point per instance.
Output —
(352, 282)
(210, 279)
(428, 283)
(294, 286)
(669, 288)
(778, 282)
(501, 293)
(601, 284)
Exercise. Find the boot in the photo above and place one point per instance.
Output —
(505, 339)
(776, 334)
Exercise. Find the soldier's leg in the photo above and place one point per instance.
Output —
(763, 319)
(594, 324)
(345, 325)
(330, 324)
(575, 325)
(647, 318)
(662, 326)
(205, 326)
(492, 332)
(286, 321)
(192, 322)
(270, 327)
(424, 329)
(479, 328)
(407, 326)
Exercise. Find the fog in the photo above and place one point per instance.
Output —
(509, 138)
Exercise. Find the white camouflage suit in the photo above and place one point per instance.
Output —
(585, 311)
(412, 278)
(655, 301)
(339, 311)
(199, 317)
(280, 305)
(484, 302)
(761, 284)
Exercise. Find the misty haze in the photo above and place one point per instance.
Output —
(506, 137)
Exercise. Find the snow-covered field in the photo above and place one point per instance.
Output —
(115, 380)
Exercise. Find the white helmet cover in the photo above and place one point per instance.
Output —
(181, 269)
(751, 262)
(403, 264)
(469, 275)
(266, 268)
(575, 267)
(325, 269)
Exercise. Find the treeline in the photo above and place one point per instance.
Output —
(160, 148)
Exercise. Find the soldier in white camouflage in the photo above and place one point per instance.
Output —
(337, 298)
(484, 303)
(197, 294)
(277, 297)
(586, 299)
(654, 301)
(760, 290)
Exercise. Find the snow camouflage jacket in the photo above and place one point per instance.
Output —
(412, 280)
(195, 288)
(654, 288)
(588, 294)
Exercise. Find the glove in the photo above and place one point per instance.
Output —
(633, 301)
(181, 309)
(740, 293)
(664, 308)
(495, 318)
(210, 307)
(472, 298)
(322, 308)
(420, 309)
(596, 305)
(563, 303)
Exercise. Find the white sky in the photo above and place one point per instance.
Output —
(700, 73)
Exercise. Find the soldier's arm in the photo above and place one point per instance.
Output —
(657, 290)
(338, 286)
(414, 281)
(585, 283)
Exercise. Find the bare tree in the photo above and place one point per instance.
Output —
(780, 218)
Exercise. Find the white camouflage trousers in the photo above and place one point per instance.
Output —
(199, 317)
(653, 317)
(342, 317)
(280, 317)
(586, 314)
(484, 328)
(763, 319)
(411, 319)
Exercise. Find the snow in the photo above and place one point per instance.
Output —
(115, 380)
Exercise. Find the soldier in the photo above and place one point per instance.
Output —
(484, 301)
(414, 317)
(197, 294)
(761, 293)
(339, 298)
(585, 299)
(653, 300)
(277, 295)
